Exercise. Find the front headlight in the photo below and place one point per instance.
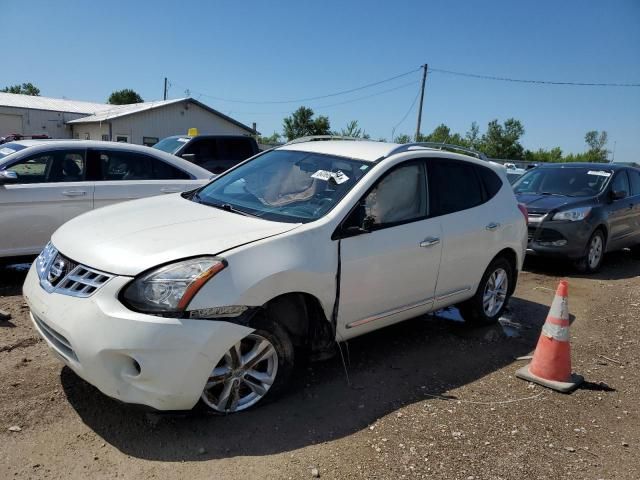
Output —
(169, 289)
(573, 215)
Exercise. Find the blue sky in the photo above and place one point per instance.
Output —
(281, 50)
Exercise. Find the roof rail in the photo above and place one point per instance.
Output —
(317, 138)
(438, 146)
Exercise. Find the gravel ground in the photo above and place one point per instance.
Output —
(429, 398)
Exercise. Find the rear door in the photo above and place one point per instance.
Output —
(471, 225)
(621, 213)
(126, 175)
(52, 188)
(634, 181)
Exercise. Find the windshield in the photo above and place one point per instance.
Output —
(284, 185)
(571, 182)
(171, 144)
(9, 148)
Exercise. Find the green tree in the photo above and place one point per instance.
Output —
(541, 155)
(24, 89)
(596, 141)
(503, 141)
(472, 137)
(402, 138)
(124, 97)
(353, 130)
(272, 140)
(301, 124)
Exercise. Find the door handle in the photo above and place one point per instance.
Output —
(429, 242)
(74, 193)
(492, 226)
(170, 190)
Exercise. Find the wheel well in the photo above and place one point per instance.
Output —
(301, 314)
(510, 256)
(604, 231)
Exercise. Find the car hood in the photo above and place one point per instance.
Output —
(546, 203)
(131, 237)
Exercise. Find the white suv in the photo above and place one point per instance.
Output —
(211, 295)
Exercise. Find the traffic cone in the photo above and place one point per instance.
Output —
(551, 363)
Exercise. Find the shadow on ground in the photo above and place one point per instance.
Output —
(616, 266)
(388, 369)
(12, 277)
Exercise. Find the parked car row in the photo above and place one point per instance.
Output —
(211, 296)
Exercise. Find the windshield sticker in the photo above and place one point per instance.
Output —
(6, 150)
(183, 140)
(338, 177)
(599, 173)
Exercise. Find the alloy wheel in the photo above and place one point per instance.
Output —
(595, 252)
(495, 292)
(243, 376)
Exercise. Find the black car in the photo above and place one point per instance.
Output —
(581, 210)
(215, 153)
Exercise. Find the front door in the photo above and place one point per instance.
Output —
(389, 274)
(51, 189)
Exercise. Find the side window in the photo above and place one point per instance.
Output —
(51, 167)
(33, 169)
(164, 171)
(204, 149)
(236, 149)
(634, 177)
(454, 186)
(399, 197)
(620, 183)
(121, 165)
(490, 180)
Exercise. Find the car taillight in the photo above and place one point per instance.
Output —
(524, 211)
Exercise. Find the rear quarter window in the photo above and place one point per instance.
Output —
(490, 180)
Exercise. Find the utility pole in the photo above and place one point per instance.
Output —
(165, 88)
(425, 67)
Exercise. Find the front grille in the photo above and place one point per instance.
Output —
(60, 274)
(59, 341)
(544, 234)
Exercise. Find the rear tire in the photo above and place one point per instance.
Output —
(492, 296)
(239, 383)
(594, 255)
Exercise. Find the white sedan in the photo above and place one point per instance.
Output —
(211, 295)
(45, 183)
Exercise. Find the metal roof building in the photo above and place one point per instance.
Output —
(141, 123)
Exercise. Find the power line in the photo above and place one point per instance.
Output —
(539, 82)
(319, 97)
(320, 107)
(393, 130)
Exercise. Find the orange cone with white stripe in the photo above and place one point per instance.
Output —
(551, 363)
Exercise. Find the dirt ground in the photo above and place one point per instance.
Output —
(429, 398)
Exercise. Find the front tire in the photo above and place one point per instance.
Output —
(252, 372)
(594, 256)
(494, 291)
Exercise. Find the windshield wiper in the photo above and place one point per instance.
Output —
(553, 194)
(229, 208)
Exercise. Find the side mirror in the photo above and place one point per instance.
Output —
(8, 176)
(191, 157)
(618, 194)
(367, 225)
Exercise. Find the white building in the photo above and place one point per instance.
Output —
(141, 123)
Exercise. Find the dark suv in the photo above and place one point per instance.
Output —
(216, 153)
(581, 210)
